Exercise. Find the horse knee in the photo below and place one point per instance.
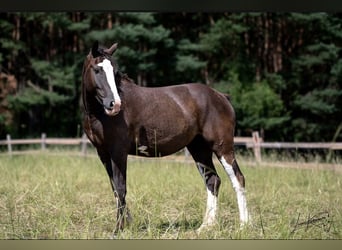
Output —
(213, 184)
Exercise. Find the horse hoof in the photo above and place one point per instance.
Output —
(245, 224)
(203, 228)
(114, 236)
(129, 218)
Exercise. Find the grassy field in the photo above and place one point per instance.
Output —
(69, 197)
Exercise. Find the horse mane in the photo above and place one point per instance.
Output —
(124, 76)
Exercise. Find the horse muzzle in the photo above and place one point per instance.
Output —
(113, 108)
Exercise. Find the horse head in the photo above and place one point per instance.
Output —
(99, 78)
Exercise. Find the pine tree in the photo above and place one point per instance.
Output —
(315, 81)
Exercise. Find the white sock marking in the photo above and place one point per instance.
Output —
(108, 69)
(210, 213)
(240, 191)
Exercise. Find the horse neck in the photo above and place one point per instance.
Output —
(128, 88)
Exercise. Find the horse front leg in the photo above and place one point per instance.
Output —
(116, 170)
(118, 182)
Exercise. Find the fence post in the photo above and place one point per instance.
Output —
(9, 145)
(256, 146)
(43, 143)
(84, 142)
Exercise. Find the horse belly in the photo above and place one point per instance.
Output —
(156, 141)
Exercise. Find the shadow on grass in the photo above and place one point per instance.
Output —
(183, 224)
(178, 225)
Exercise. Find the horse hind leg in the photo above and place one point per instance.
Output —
(237, 179)
(202, 155)
(212, 182)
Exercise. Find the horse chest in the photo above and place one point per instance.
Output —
(103, 132)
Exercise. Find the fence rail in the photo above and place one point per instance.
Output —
(254, 142)
(44, 141)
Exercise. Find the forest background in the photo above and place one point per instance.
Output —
(283, 71)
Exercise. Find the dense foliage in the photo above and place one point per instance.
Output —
(282, 70)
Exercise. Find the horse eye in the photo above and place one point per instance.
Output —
(97, 69)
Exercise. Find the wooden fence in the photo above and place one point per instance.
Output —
(44, 142)
(255, 143)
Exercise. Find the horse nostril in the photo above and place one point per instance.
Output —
(111, 104)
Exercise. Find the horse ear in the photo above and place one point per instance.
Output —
(95, 49)
(112, 49)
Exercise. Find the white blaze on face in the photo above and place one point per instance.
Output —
(108, 69)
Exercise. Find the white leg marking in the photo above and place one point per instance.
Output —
(240, 191)
(210, 213)
(108, 69)
(142, 149)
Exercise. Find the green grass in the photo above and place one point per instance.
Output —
(69, 197)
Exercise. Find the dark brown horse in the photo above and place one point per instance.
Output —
(122, 118)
